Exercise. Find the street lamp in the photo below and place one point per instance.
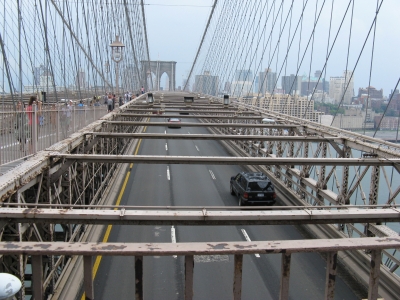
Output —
(116, 55)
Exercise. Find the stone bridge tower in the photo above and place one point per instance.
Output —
(158, 68)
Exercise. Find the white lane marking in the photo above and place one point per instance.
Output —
(165, 132)
(166, 147)
(197, 148)
(173, 237)
(212, 174)
(246, 236)
(168, 176)
(189, 132)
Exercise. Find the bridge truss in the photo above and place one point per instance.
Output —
(312, 166)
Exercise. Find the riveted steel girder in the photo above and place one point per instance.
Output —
(221, 160)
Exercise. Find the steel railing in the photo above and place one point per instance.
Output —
(38, 250)
(21, 136)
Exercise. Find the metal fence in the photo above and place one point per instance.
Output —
(23, 133)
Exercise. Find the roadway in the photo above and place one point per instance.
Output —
(201, 185)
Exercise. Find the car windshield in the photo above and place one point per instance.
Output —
(260, 186)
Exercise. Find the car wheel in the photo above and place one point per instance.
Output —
(232, 191)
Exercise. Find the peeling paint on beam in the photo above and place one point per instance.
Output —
(197, 217)
(209, 248)
(183, 124)
(212, 137)
(222, 160)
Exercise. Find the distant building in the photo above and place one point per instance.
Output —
(227, 87)
(243, 75)
(372, 92)
(267, 82)
(342, 87)
(388, 123)
(37, 72)
(291, 105)
(291, 84)
(241, 88)
(206, 84)
(313, 84)
(80, 80)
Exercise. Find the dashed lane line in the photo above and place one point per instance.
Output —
(246, 236)
(173, 237)
(212, 174)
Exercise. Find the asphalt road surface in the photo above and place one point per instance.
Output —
(198, 185)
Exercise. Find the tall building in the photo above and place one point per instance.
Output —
(267, 82)
(243, 75)
(206, 84)
(80, 80)
(241, 88)
(313, 84)
(342, 87)
(291, 84)
(37, 72)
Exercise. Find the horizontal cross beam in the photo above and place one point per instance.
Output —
(234, 117)
(223, 160)
(212, 137)
(124, 216)
(208, 248)
(183, 124)
(192, 109)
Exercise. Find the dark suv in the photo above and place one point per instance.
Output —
(253, 188)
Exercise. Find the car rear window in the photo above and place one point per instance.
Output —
(265, 186)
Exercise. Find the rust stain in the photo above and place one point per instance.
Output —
(43, 246)
(10, 246)
(218, 246)
(245, 247)
(109, 247)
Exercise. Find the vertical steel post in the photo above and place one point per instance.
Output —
(138, 277)
(237, 277)
(331, 268)
(35, 129)
(374, 274)
(285, 276)
(189, 266)
(37, 276)
(88, 277)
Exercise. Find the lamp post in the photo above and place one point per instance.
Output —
(107, 69)
(116, 55)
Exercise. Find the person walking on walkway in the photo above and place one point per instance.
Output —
(110, 102)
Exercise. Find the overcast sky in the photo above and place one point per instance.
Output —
(175, 28)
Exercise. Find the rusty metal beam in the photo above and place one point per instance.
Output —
(231, 117)
(374, 274)
(202, 216)
(183, 124)
(285, 276)
(223, 160)
(237, 277)
(88, 275)
(138, 277)
(211, 137)
(205, 248)
(189, 268)
(331, 269)
(37, 276)
(200, 110)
